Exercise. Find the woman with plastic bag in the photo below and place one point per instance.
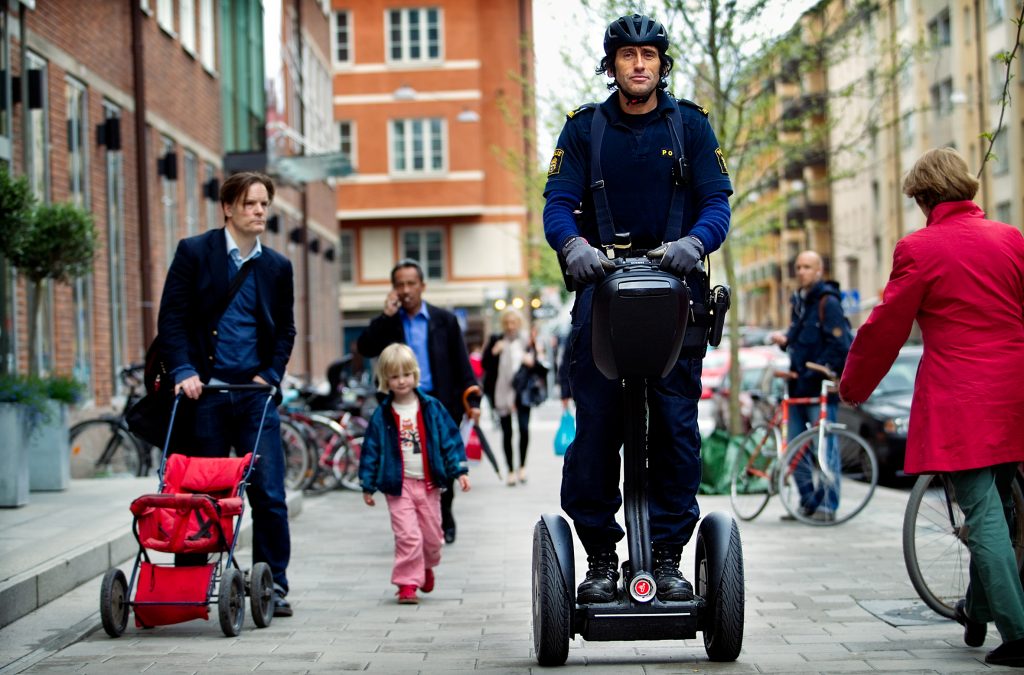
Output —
(513, 382)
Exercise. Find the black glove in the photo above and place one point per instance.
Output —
(583, 261)
(682, 255)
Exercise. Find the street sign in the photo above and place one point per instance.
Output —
(851, 301)
(312, 168)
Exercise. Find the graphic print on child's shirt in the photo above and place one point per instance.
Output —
(409, 436)
(409, 442)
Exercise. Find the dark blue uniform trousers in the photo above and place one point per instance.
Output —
(231, 419)
(590, 474)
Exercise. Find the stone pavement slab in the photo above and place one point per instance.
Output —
(804, 590)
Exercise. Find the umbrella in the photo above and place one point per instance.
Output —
(469, 425)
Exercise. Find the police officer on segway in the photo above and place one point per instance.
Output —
(644, 163)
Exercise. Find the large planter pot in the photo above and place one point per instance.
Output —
(49, 451)
(14, 481)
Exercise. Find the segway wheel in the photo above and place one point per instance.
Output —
(552, 602)
(231, 602)
(719, 574)
(261, 594)
(114, 602)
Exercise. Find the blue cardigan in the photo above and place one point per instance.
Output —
(380, 464)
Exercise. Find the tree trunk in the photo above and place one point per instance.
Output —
(735, 426)
(33, 328)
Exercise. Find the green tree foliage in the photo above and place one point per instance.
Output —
(16, 204)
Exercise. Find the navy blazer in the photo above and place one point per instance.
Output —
(194, 292)
(449, 360)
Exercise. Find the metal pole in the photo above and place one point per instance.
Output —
(142, 174)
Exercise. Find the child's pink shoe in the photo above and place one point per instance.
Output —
(407, 595)
(428, 581)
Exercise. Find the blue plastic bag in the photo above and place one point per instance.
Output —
(566, 432)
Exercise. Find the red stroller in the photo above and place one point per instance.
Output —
(198, 510)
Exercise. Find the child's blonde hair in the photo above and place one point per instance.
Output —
(396, 358)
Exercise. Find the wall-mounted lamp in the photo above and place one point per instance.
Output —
(329, 254)
(404, 93)
(35, 89)
(314, 245)
(295, 235)
(108, 133)
(468, 116)
(211, 189)
(167, 165)
(274, 224)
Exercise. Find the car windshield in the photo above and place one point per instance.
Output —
(900, 378)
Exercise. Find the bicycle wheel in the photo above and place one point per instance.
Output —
(346, 464)
(297, 469)
(935, 541)
(329, 440)
(819, 497)
(100, 448)
(750, 485)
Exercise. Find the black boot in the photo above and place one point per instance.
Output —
(599, 586)
(671, 584)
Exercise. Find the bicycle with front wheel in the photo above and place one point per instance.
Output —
(104, 447)
(825, 458)
(935, 540)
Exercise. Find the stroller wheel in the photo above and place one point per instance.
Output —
(231, 602)
(261, 594)
(114, 602)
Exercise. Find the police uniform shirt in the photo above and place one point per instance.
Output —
(638, 156)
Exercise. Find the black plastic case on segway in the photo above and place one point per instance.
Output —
(639, 320)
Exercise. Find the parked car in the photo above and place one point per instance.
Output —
(755, 362)
(883, 419)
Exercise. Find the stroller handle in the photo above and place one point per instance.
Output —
(252, 386)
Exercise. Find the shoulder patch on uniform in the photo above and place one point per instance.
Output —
(837, 331)
(704, 111)
(555, 165)
(572, 113)
(721, 161)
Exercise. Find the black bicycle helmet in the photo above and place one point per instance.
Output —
(635, 30)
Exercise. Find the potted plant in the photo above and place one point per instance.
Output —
(22, 406)
(48, 446)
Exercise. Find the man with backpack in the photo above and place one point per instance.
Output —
(818, 333)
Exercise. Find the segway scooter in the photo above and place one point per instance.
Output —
(640, 316)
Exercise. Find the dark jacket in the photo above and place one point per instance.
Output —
(815, 340)
(380, 463)
(449, 360)
(196, 286)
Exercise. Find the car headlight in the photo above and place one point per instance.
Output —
(896, 425)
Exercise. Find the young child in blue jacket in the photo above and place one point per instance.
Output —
(411, 450)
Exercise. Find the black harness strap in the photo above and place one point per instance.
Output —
(680, 173)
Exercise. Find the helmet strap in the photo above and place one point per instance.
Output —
(635, 100)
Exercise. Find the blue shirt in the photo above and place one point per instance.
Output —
(637, 157)
(416, 337)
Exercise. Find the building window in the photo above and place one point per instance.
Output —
(996, 12)
(939, 30)
(165, 14)
(347, 142)
(1001, 151)
(169, 200)
(187, 16)
(346, 258)
(1003, 212)
(425, 246)
(207, 35)
(414, 34)
(78, 172)
(116, 257)
(191, 194)
(37, 167)
(942, 98)
(907, 130)
(213, 217)
(342, 36)
(996, 78)
(418, 146)
(5, 94)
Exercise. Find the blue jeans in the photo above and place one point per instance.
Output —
(231, 419)
(590, 474)
(814, 497)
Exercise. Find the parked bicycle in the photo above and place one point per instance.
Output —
(103, 446)
(757, 473)
(935, 540)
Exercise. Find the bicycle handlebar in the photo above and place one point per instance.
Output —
(824, 370)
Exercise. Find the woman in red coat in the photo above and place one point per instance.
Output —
(962, 279)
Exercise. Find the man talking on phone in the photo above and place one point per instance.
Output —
(435, 337)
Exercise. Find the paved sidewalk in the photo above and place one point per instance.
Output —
(808, 594)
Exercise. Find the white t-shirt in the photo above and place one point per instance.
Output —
(409, 438)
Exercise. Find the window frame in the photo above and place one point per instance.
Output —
(187, 25)
(422, 254)
(349, 42)
(405, 44)
(169, 202)
(346, 258)
(407, 149)
(165, 16)
(207, 35)
(350, 138)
